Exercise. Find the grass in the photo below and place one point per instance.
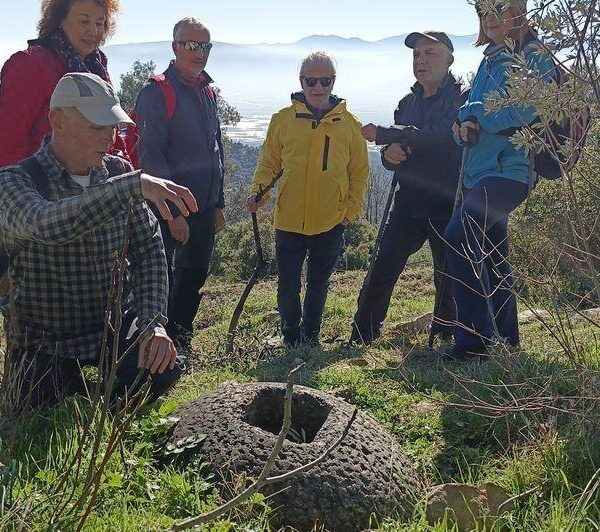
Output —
(544, 457)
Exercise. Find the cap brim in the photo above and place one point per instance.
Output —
(411, 40)
(106, 116)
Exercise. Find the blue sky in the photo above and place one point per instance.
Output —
(243, 21)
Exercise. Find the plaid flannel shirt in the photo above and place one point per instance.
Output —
(61, 278)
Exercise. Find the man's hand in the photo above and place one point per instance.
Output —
(466, 131)
(219, 220)
(252, 205)
(159, 191)
(157, 352)
(396, 154)
(180, 230)
(345, 222)
(369, 132)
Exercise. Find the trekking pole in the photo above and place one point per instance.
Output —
(261, 263)
(384, 219)
(473, 138)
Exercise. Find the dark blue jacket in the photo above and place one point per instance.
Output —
(186, 149)
(428, 178)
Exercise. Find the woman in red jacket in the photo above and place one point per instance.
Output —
(70, 32)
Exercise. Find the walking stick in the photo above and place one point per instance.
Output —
(473, 138)
(386, 213)
(258, 268)
(455, 206)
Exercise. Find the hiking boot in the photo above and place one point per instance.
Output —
(363, 336)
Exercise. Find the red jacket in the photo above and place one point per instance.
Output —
(27, 81)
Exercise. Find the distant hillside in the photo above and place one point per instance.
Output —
(259, 78)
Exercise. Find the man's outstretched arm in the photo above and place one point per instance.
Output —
(26, 215)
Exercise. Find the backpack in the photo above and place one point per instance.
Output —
(132, 136)
(571, 131)
(8, 257)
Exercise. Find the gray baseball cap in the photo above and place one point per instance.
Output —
(438, 36)
(93, 97)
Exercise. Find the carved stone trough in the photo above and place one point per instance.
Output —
(367, 474)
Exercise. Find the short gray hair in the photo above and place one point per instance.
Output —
(318, 57)
(187, 22)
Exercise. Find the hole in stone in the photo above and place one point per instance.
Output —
(309, 414)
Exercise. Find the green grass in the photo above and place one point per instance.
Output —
(544, 458)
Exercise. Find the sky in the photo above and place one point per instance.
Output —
(255, 21)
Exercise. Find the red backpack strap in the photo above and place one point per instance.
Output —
(168, 92)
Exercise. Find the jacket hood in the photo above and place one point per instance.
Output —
(494, 50)
(299, 100)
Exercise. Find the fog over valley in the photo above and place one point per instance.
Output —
(258, 78)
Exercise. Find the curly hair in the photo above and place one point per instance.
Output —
(54, 13)
(319, 56)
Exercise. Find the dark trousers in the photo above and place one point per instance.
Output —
(188, 270)
(481, 276)
(400, 239)
(37, 378)
(323, 250)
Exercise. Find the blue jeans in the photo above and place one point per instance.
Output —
(323, 250)
(478, 267)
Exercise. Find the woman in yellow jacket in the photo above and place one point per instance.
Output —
(318, 145)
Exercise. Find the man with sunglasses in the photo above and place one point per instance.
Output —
(317, 144)
(421, 152)
(180, 139)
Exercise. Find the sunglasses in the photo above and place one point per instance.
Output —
(194, 46)
(311, 82)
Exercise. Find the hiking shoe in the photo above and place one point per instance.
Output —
(359, 336)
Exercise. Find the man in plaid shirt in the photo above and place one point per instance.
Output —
(67, 240)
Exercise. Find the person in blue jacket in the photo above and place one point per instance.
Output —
(497, 179)
(187, 149)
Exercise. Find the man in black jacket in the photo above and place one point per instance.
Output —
(422, 153)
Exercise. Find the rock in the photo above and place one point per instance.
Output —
(417, 325)
(497, 499)
(588, 314)
(366, 473)
(531, 316)
(469, 507)
(274, 342)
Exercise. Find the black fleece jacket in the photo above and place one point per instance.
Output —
(428, 178)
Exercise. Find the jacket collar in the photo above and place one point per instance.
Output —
(450, 81)
(203, 78)
(299, 103)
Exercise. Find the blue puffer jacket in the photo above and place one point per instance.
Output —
(494, 155)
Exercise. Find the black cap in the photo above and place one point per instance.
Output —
(437, 36)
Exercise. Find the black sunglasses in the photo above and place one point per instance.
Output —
(311, 82)
(194, 46)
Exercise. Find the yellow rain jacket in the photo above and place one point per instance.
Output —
(325, 167)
